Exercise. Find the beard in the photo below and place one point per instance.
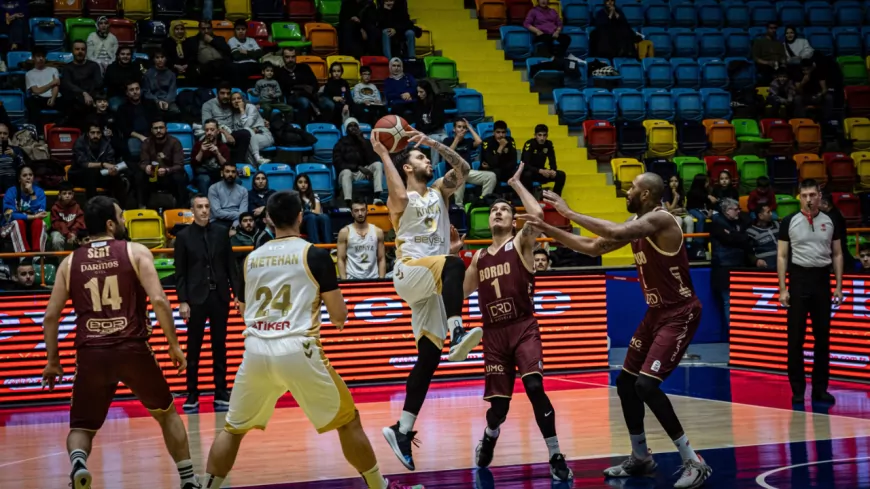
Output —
(633, 205)
(360, 219)
(230, 180)
(423, 174)
(120, 233)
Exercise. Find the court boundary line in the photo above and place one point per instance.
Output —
(760, 480)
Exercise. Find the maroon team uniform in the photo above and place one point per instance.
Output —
(674, 311)
(112, 331)
(511, 339)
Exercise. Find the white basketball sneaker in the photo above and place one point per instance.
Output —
(694, 474)
(633, 467)
(462, 342)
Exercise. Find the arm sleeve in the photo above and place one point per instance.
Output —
(783, 228)
(177, 158)
(322, 268)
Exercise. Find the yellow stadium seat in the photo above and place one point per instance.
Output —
(191, 27)
(858, 131)
(763, 91)
(721, 135)
(350, 65)
(808, 135)
(811, 166)
(223, 28)
(237, 10)
(625, 170)
(317, 64)
(380, 217)
(145, 226)
(425, 45)
(862, 167)
(173, 217)
(323, 37)
(662, 138)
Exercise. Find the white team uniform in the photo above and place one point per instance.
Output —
(422, 244)
(362, 253)
(282, 344)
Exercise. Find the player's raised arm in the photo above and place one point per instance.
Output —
(459, 170)
(51, 324)
(528, 235)
(162, 308)
(472, 278)
(588, 246)
(398, 195)
(639, 228)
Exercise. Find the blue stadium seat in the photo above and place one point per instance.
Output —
(659, 104)
(364, 128)
(714, 73)
(516, 42)
(327, 135)
(47, 32)
(281, 175)
(14, 58)
(847, 41)
(717, 103)
(820, 39)
(634, 12)
(632, 72)
(736, 14)
(575, 13)
(13, 102)
(688, 104)
(791, 12)
(687, 73)
(684, 42)
(659, 73)
(545, 78)
(58, 57)
(819, 14)
(711, 42)
(579, 46)
(632, 106)
(570, 106)
(757, 31)
(469, 104)
(761, 12)
(741, 73)
(247, 181)
(485, 129)
(848, 13)
(684, 15)
(184, 134)
(661, 40)
(709, 14)
(601, 104)
(658, 14)
(322, 180)
(737, 42)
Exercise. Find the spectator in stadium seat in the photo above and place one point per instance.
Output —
(355, 160)
(613, 37)
(674, 201)
(221, 110)
(134, 121)
(24, 210)
(358, 34)
(797, 49)
(864, 257)
(764, 234)
(208, 157)
(25, 276)
(247, 117)
(67, 219)
(245, 234)
(762, 196)
(499, 154)
(92, 156)
(124, 70)
(699, 204)
(102, 44)
(227, 198)
(316, 224)
(180, 55)
(538, 152)
(542, 260)
(161, 166)
(17, 14)
(400, 90)
(335, 96)
(367, 104)
(781, 94)
(267, 234)
(465, 147)
(258, 196)
(768, 53)
(159, 85)
(429, 115)
(246, 54)
(79, 81)
(43, 88)
(546, 25)
(826, 205)
(723, 189)
(11, 158)
(395, 25)
(299, 85)
(730, 247)
(269, 91)
(213, 55)
(813, 91)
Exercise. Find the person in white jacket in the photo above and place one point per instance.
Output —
(102, 44)
(247, 116)
(796, 48)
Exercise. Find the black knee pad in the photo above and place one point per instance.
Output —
(646, 386)
(497, 412)
(625, 383)
(452, 277)
(534, 385)
(428, 354)
(454, 268)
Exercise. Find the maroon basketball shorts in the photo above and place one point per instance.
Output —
(507, 349)
(662, 338)
(98, 371)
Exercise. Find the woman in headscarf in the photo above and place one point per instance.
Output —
(247, 116)
(102, 44)
(400, 90)
(179, 57)
(258, 196)
(797, 49)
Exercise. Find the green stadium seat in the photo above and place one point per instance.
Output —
(50, 273)
(79, 28)
(786, 205)
(289, 35)
(688, 167)
(478, 227)
(748, 131)
(750, 167)
(441, 68)
(328, 10)
(854, 70)
(165, 267)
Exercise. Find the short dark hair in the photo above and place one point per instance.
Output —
(125, 47)
(499, 125)
(132, 82)
(811, 183)
(38, 51)
(210, 121)
(204, 21)
(229, 164)
(399, 160)
(101, 95)
(541, 251)
(157, 119)
(98, 211)
(807, 63)
(827, 197)
(240, 23)
(360, 200)
(156, 53)
(225, 85)
(288, 48)
(542, 128)
(365, 69)
(244, 215)
(283, 208)
(503, 201)
(863, 248)
(266, 64)
(762, 181)
(197, 196)
(79, 41)
(64, 186)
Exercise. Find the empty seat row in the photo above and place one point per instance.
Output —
(574, 106)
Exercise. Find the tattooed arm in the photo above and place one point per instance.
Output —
(458, 173)
(525, 239)
(587, 246)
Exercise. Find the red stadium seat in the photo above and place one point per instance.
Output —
(717, 164)
(380, 68)
(260, 32)
(858, 101)
(301, 11)
(517, 10)
(600, 139)
(60, 141)
(781, 135)
(102, 7)
(850, 206)
(124, 30)
(841, 169)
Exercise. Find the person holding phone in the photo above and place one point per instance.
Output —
(209, 155)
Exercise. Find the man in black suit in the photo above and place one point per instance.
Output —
(205, 270)
(214, 58)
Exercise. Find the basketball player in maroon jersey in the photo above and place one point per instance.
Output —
(504, 276)
(663, 336)
(108, 280)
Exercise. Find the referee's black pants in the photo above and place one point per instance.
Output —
(217, 311)
(810, 295)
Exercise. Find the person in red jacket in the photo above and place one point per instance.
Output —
(67, 219)
(762, 196)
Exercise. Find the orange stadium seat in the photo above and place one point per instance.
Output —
(323, 37)
(491, 15)
(380, 217)
(174, 217)
(811, 166)
(317, 64)
(223, 28)
(721, 135)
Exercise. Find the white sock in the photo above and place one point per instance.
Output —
(686, 451)
(493, 433)
(552, 445)
(406, 422)
(638, 446)
(453, 322)
(374, 479)
(78, 455)
(185, 471)
(212, 482)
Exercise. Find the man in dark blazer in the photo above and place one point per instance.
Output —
(205, 271)
(214, 58)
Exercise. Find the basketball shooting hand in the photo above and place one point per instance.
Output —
(52, 373)
(514, 180)
(379, 148)
(784, 298)
(419, 139)
(557, 202)
(456, 241)
(176, 356)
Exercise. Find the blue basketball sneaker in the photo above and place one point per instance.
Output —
(401, 444)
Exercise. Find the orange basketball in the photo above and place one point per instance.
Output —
(391, 131)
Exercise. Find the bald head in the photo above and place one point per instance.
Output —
(645, 193)
(652, 182)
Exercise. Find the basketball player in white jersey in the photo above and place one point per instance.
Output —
(425, 275)
(285, 281)
(358, 246)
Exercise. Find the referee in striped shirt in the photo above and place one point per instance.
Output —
(808, 247)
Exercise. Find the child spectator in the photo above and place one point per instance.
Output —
(67, 219)
(269, 91)
(781, 94)
(674, 200)
(368, 106)
(723, 189)
(864, 257)
(762, 196)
